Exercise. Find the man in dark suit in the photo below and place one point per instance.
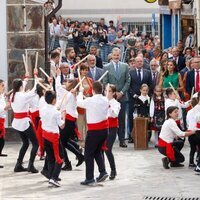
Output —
(118, 75)
(180, 61)
(93, 51)
(139, 76)
(193, 76)
(155, 75)
(95, 72)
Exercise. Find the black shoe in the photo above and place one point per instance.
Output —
(113, 174)
(174, 164)
(45, 174)
(1, 166)
(19, 167)
(3, 155)
(87, 182)
(67, 167)
(165, 162)
(80, 160)
(130, 140)
(123, 145)
(31, 168)
(192, 165)
(58, 179)
(102, 177)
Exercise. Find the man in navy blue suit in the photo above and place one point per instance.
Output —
(180, 61)
(139, 76)
(95, 72)
(193, 76)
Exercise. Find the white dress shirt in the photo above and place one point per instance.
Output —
(96, 107)
(69, 104)
(114, 108)
(42, 103)
(2, 106)
(176, 102)
(21, 104)
(170, 130)
(51, 119)
(34, 104)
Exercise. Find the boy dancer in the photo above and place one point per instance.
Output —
(50, 123)
(97, 122)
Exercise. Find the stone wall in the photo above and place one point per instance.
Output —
(25, 34)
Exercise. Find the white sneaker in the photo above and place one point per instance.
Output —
(54, 183)
(197, 169)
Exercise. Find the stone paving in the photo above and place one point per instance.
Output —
(140, 174)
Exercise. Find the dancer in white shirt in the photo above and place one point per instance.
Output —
(97, 123)
(50, 126)
(167, 145)
(20, 101)
(113, 112)
(3, 108)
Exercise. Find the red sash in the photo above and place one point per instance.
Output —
(54, 139)
(198, 125)
(40, 139)
(169, 149)
(113, 122)
(2, 128)
(24, 115)
(98, 126)
(21, 115)
(70, 118)
(33, 116)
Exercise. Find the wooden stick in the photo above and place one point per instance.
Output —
(25, 63)
(36, 60)
(80, 83)
(39, 83)
(81, 61)
(107, 92)
(44, 72)
(66, 93)
(60, 59)
(103, 76)
(79, 76)
(176, 93)
(192, 93)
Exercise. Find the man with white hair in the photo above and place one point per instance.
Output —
(95, 72)
(155, 75)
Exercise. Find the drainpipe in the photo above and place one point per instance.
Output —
(46, 26)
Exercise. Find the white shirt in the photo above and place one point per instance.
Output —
(34, 104)
(42, 103)
(69, 104)
(114, 108)
(170, 130)
(141, 72)
(176, 102)
(96, 107)
(190, 119)
(51, 119)
(197, 115)
(21, 104)
(2, 106)
(54, 30)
